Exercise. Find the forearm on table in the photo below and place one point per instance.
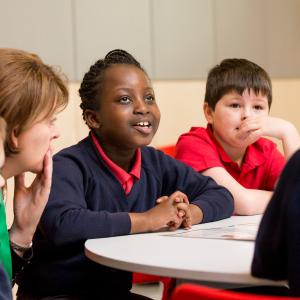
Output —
(251, 201)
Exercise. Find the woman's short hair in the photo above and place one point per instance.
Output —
(30, 91)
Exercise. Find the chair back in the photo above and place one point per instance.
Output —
(198, 292)
(169, 149)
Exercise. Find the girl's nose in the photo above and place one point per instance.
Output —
(141, 107)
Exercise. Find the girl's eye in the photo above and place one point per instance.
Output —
(150, 98)
(125, 100)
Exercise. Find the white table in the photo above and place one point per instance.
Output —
(215, 260)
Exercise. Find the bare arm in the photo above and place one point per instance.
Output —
(246, 201)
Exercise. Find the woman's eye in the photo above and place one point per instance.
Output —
(125, 100)
(53, 120)
(150, 98)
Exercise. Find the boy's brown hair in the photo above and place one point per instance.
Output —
(236, 75)
(30, 91)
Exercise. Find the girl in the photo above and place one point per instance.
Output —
(109, 183)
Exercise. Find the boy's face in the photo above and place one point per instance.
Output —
(229, 114)
(128, 116)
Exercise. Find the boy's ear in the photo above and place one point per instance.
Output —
(91, 118)
(208, 112)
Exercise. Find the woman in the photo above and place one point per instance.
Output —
(31, 93)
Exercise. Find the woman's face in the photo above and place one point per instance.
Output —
(2, 158)
(34, 143)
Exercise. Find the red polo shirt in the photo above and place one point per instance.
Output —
(260, 169)
(126, 179)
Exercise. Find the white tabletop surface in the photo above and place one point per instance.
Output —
(216, 260)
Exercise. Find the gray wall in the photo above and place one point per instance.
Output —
(174, 39)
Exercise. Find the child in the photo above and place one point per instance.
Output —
(109, 183)
(31, 93)
(278, 240)
(231, 149)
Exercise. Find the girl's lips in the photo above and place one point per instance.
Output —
(143, 129)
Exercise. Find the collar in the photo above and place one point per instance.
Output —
(121, 175)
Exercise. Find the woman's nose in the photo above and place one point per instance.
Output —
(56, 132)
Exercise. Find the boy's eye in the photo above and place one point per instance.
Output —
(258, 107)
(125, 100)
(235, 105)
(150, 98)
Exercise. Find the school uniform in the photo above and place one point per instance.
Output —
(260, 169)
(277, 247)
(88, 201)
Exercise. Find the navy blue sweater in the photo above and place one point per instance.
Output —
(87, 201)
(277, 249)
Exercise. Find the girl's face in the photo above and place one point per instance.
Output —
(128, 115)
(34, 144)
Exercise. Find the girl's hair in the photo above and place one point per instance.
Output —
(30, 91)
(236, 75)
(92, 83)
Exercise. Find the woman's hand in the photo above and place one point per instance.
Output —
(29, 203)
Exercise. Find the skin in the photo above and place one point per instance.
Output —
(2, 157)
(127, 119)
(238, 121)
(36, 156)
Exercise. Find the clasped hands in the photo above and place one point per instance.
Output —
(173, 211)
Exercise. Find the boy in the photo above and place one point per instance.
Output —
(231, 149)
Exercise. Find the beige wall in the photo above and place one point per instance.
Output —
(180, 103)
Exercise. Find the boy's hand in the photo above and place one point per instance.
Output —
(263, 126)
(253, 128)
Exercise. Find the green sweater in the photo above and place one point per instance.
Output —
(5, 257)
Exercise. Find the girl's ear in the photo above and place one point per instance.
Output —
(208, 112)
(91, 118)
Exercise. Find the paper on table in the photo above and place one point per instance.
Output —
(244, 232)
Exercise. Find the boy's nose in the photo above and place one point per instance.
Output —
(246, 113)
